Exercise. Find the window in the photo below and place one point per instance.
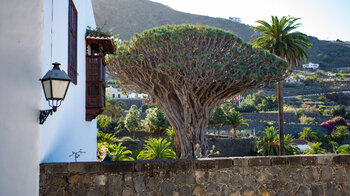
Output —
(72, 42)
(113, 95)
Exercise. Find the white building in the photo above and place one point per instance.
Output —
(235, 19)
(311, 66)
(33, 35)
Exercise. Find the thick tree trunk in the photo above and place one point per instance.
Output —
(189, 124)
(280, 116)
(234, 132)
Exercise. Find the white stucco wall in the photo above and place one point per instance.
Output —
(21, 32)
(66, 130)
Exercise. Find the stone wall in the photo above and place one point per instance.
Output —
(285, 175)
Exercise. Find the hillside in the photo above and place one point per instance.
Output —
(126, 17)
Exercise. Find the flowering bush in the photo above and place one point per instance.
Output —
(329, 125)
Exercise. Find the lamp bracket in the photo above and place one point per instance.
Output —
(44, 114)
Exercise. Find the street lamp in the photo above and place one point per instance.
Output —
(55, 85)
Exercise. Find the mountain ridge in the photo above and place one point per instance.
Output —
(127, 17)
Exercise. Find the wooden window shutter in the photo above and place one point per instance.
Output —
(72, 42)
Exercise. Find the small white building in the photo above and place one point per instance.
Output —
(235, 19)
(311, 66)
(34, 34)
(290, 80)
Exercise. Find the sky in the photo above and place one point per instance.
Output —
(325, 19)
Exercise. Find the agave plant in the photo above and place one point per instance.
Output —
(118, 153)
(268, 144)
(157, 149)
(344, 149)
(315, 148)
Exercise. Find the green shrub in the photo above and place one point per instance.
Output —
(322, 98)
(344, 149)
(315, 148)
(247, 105)
(267, 144)
(306, 120)
(170, 133)
(308, 134)
(118, 153)
(340, 134)
(310, 79)
(103, 122)
(338, 110)
(155, 120)
(299, 112)
(107, 138)
(157, 149)
(289, 147)
(132, 119)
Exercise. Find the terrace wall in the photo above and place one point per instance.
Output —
(285, 175)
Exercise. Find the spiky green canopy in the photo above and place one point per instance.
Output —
(190, 54)
(187, 70)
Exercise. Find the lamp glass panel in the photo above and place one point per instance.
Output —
(47, 89)
(59, 88)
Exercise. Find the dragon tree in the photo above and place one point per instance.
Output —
(188, 70)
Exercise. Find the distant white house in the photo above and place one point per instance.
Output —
(235, 19)
(311, 66)
(116, 93)
(331, 74)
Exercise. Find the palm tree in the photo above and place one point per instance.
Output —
(235, 119)
(279, 39)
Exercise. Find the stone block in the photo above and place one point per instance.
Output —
(324, 160)
(339, 174)
(342, 159)
(236, 180)
(201, 176)
(310, 175)
(185, 178)
(317, 190)
(95, 191)
(212, 187)
(309, 160)
(259, 161)
(326, 174)
(178, 165)
(92, 167)
(55, 168)
(303, 190)
(116, 167)
(294, 160)
(240, 162)
(332, 189)
(100, 180)
(148, 166)
(114, 184)
(279, 160)
(198, 190)
(139, 184)
(167, 188)
(223, 163)
(204, 164)
(184, 190)
(222, 177)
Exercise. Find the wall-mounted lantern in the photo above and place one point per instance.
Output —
(55, 85)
